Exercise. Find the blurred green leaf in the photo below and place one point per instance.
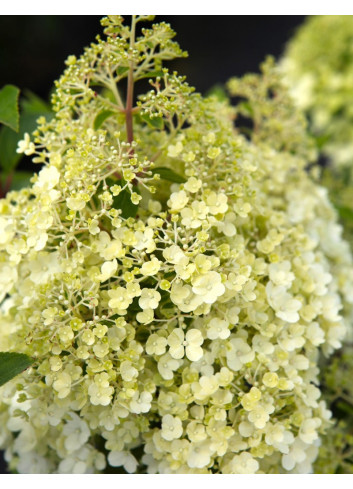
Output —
(321, 140)
(151, 74)
(155, 122)
(21, 179)
(345, 407)
(345, 213)
(246, 109)
(219, 92)
(12, 364)
(346, 173)
(168, 174)
(32, 104)
(121, 70)
(8, 145)
(9, 114)
(101, 117)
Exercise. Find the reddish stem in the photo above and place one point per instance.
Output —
(6, 187)
(130, 91)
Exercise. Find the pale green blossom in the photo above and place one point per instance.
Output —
(208, 286)
(218, 328)
(156, 345)
(188, 344)
(243, 464)
(239, 354)
(149, 299)
(76, 433)
(171, 427)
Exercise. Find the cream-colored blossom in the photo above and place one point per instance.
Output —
(149, 299)
(243, 464)
(217, 203)
(178, 200)
(108, 269)
(217, 328)
(239, 354)
(26, 146)
(171, 427)
(151, 267)
(208, 286)
(76, 433)
(184, 298)
(145, 317)
(193, 185)
(141, 402)
(156, 345)
(188, 344)
(100, 395)
(62, 385)
(283, 303)
(119, 298)
(124, 459)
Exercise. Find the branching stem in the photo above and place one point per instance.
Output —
(115, 90)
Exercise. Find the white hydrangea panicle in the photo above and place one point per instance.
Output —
(183, 333)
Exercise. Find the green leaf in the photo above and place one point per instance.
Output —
(346, 175)
(345, 213)
(246, 109)
(155, 122)
(9, 114)
(142, 334)
(321, 140)
(345, 407)
(8, 145)
(32, 104)
(101, 117)
(151, 74)
(21, 179)
(12, 364)
(123, 202)
(219, 92)
(168, 174)
(121, 70)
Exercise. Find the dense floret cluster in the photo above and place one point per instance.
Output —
(176, 284)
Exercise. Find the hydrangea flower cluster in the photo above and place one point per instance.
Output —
(320, 78)
(319, 70)
(175, 281)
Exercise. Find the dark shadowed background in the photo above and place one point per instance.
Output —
(33, 49)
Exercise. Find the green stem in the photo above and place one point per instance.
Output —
(115, 91)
